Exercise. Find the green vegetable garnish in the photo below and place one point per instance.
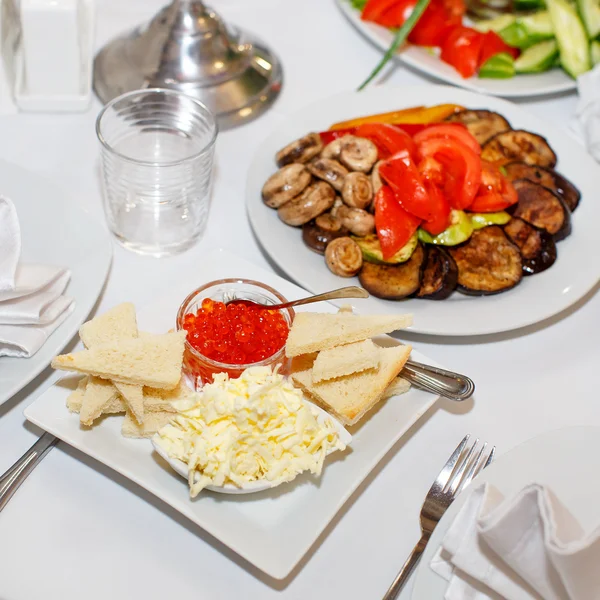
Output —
(398, 40)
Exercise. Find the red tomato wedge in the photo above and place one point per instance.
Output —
(389, 140)
(397, 14)
(433, 26)
(493, 44)
(462, 169)
(461, 49)
(393, 224)
(402, 176)
(375, 9)
(440, 206)
(495, 192)
(450, 131)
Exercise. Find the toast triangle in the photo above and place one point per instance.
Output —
(118, 323)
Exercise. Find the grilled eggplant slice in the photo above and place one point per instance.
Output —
(537, 247)
(520, 145)
(489, 263)
(482, 124)
(548, 178)
(440, 275)
(543, 208)
(394, 282)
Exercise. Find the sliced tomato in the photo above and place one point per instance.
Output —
(462, 169)
(389, 140)
(450, 131)
(455, 8)
(432, 170)
(433, 26)
(402, 175)
(493, 44)
(495, 192)
(440, 219)
(375, 9)
(397, 14)
(394, 225)
(461, 49)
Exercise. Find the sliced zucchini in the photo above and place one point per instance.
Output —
(371, 250)
(520, 145)
(542, 208)
(496, 24)
(489, 263)
(590, 15)
(538, 250)
(440, 275)
(481, 220)
(499, 66)
(571, 37)
(460, 231)
(595, 52)
(538, 58)
(482, 124)
(394, 282)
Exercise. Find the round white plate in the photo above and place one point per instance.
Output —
(564, 460)
(421, 59)
(536, 298)
(54, 230)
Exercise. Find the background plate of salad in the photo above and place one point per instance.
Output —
(573, 274)
(511, 54)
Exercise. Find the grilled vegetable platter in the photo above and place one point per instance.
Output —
(426, 201)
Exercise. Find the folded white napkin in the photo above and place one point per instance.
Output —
(587, 113)
(526, 548)
(32, 300)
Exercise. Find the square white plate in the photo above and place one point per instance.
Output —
(273, 529)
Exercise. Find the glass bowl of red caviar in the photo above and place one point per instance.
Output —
(228, 337)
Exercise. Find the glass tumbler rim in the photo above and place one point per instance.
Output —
(150, 163)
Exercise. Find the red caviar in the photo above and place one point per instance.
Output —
(238, 333)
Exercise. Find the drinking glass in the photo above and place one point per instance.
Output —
(157, 158)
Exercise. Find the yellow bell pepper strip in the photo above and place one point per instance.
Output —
(418, 115)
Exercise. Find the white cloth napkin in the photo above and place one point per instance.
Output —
(32, 300)
(526, 548)
(587, 113)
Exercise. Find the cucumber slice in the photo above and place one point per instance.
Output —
(460, 230)
(595, 52)
(590, 15)
(371, 250)
(538, 58)
(571, 37)
(499, 66)
(528, 30)
(496, 24)
(481, 220)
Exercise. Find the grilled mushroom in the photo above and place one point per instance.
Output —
(376, 177)
(329, 223)
(344, 257)
(318, 233)
(357, 190)
(286, 184)
(356, 153)
(328, 170)
(314, 200)
(357, 221)
(300, 151)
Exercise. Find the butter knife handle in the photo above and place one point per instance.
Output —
(16, 475)
(448, 384)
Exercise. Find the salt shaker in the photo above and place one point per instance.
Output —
(51, 51)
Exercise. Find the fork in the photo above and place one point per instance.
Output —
(458, 472)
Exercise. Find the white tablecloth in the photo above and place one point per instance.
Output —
(77, 530)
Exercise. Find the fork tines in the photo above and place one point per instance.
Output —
(467, 462)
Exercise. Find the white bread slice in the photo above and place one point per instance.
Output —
(98, 394)
(349, 398)
(152, 423)
(397, 387)
(153, 361)
(118, 323)
(345, 360)
(312, 332)
(134, 398)
(75, 398)
(161, 400)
